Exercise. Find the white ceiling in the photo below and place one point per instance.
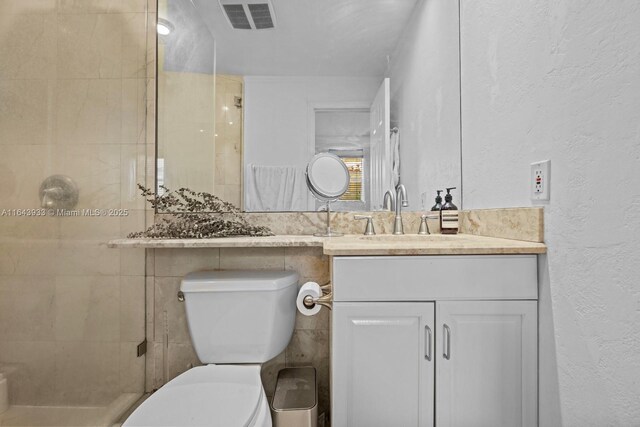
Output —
(311, 38)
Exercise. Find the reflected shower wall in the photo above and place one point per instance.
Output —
(228, 139)
(200, 115)
(73, 101)
(186, 104)
(186, 147)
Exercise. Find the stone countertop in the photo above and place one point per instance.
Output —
(277, 241)
(433, 244)
(382, 244)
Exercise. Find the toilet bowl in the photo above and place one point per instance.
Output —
(237, 320)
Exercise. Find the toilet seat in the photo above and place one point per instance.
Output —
(212, 395)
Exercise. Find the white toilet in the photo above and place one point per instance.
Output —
(237, 320)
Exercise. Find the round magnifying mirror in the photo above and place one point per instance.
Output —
(327, 176)
(328, 180)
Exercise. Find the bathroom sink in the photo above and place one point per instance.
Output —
(409, 238)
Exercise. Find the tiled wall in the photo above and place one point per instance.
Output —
(171, 352)
(185, 128)
(228, 166)
(73, 98)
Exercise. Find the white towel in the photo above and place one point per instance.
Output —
(275, 188)
(395, 158)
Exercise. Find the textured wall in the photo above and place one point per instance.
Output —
(560, 80)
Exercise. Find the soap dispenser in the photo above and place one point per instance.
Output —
(449, 215)
(438, 205)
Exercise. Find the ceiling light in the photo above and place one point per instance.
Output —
(164, 27)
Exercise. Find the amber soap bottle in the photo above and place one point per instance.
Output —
(449, 215)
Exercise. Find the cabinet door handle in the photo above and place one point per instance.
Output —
(427, 342)
(446, 337)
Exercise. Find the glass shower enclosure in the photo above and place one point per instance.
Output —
(73, 146)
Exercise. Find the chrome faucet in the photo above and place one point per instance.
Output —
(389, 201)
(401, 201)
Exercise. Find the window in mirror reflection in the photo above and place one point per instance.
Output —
(345, 132)
(355, 191)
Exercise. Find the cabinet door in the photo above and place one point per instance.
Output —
(486, 368)
(382, 364)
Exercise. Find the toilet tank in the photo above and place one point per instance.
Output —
(240, 316)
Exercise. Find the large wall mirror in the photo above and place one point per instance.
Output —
(250, 90)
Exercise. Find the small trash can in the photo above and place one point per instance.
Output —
(295, 401)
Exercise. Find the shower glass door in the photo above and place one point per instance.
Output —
(73, 104)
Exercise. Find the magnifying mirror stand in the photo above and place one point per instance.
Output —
(328, 232)
(328, 179)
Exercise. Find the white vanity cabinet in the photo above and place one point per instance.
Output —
(449, 341)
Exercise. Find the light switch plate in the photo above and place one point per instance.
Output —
(540, 180)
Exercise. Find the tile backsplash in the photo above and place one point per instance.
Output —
(510, 223)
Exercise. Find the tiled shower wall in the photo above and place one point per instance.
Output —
(73, 86)
(171, 352)
(228, 137)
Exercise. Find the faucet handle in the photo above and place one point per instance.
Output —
(424, 227)
(369, 230)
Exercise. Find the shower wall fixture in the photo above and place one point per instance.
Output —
(59, 192)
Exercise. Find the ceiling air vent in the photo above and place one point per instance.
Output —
(249, 14)
(261, 15)
(236, 16)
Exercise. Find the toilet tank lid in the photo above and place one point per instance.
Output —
(238, 281)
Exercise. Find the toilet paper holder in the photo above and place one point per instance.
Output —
(326, 300)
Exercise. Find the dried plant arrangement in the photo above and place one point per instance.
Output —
(195, 215)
